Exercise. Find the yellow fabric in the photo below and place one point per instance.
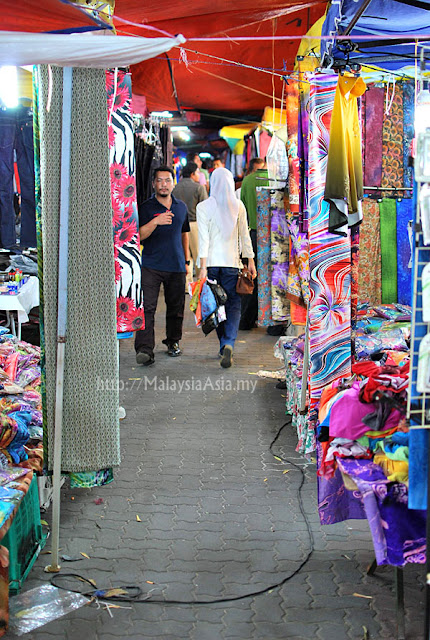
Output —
(239, 148)
(271, 116)
(25, 84)
(308, 46)
(344, 168)
(395, 470)
(237, 131)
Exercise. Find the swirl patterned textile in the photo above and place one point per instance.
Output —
(330, 259)
(130, 315)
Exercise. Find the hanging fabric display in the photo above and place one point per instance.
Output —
(388, 222)
(404, 250)
(355, 262)
(408, 133)
(392, 139)
(130, 315)
(264, 257)
(330, 259)
(279, 238)
(90, 403)
(374, 112)
(369, 278)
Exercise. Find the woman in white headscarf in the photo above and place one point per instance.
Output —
(223, 237)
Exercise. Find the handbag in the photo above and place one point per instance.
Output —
(245, 283)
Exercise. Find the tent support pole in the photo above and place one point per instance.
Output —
(62, 308)
(356, 18)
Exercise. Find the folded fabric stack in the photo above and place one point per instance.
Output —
(21, 432)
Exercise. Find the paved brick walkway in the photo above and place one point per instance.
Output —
(219, 517)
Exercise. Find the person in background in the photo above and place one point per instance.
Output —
(164, 230)
(190, 191)
(194, 157)
(218, 163)
(223, 230)
(256, 176)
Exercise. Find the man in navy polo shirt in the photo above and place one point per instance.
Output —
(164, 229)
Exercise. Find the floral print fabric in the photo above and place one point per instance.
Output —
(130, 316)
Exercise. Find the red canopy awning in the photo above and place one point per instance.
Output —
(207, 83)
(45, 15)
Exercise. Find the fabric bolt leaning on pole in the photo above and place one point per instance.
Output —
(330, 259)
(91, 398)
(404, 250)
(388, 224)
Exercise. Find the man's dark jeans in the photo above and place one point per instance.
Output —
(174, 295)
(16, 133)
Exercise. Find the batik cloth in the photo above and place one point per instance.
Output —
(330, 259)
(398, 533)
(369, 273)
(90, 408)
(130, 314)
(388, 222)
(408, 133)
(404, 250)
(355, 269)
(264, 258)
(298, 277)
(392, 140)
(374, 112)
(279, 249)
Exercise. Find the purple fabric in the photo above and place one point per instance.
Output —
(335, 502)
(398, 533)
(347, 413)
(373, 136)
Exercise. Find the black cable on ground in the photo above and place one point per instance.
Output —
(134, 593)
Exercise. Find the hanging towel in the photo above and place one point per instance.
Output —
(374, 111)
(388, 221)
(404, 272)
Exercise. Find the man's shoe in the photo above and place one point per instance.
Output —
(173, 350)
(144, 358)
(227, 356)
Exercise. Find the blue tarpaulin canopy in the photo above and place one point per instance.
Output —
(387, 30)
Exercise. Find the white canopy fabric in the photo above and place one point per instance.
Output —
(80, 50)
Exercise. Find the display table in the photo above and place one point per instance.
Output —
(22, 303)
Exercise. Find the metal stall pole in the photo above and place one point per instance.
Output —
(62, 309)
